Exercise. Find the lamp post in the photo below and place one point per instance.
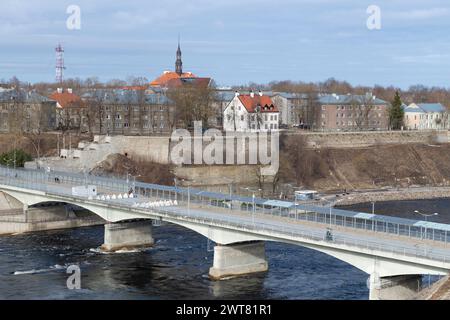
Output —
(295, 205)
(331, 208)
(253, 215)
(426, 218)
(176, 188)
(230, 189)
(247, 189)
(426, 221)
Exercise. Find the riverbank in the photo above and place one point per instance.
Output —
(16, 221)
(400, 194)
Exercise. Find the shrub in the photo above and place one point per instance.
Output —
(20, 157)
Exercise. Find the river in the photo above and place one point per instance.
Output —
(33, 266)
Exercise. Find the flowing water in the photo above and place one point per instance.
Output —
(33, 266)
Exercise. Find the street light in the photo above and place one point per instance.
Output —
(230, 187)
(426, 221)
(426, 218)
(253, 215)
(330, 203)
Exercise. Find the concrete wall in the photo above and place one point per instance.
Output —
(395, 288)
(7, 202)
(127, 235)
(370, 138)
(238, 259)
(150, 148)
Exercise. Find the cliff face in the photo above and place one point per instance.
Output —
(379, 166)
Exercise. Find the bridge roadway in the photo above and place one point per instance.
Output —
(392, 261)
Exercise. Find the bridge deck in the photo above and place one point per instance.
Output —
(257, 218)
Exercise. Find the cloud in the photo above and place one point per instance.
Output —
(432, 58)
(420, 14)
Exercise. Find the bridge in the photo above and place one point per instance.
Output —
(394, 252)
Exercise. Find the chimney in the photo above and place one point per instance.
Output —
(59, 90)
(260, 93)
(69, 90)
(236, 94)
(252, 94)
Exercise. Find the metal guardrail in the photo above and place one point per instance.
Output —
(275, 231)
(51, 182)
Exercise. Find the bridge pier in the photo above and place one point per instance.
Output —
(126, 235)
(238, 259)
(404, 287)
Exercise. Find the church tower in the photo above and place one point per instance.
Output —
(179, 63)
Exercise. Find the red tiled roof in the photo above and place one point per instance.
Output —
(251, 103)
(66, 99)
(198, 82)
(167, 76)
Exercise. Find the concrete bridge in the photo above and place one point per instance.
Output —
(394, 252)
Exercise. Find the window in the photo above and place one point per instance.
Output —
(242, 117)
(323, 108)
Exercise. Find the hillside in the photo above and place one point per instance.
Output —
(370, 167)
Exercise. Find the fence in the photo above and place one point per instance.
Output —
(54, 182)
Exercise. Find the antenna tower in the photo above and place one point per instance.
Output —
(59, 63)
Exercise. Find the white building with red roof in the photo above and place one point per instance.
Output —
(251, 112)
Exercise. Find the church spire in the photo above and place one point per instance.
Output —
(179, 63)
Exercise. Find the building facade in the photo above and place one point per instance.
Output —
(23, 111)
(296, 109)
(129, 112)
(71, 111)
(251, 113)
(351, 113)
(426, 116)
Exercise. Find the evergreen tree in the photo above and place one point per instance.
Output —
(19, 157)
(396, 113)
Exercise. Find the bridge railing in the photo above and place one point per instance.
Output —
(55, 181)
(277, 231)
(38, 183)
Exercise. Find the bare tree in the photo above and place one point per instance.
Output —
(362, 105)
(192, 103)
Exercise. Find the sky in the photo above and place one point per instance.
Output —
(233, 41)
